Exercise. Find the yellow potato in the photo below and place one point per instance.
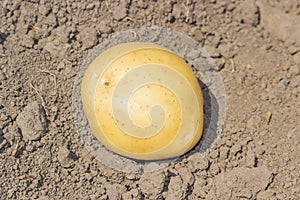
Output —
(143, 102)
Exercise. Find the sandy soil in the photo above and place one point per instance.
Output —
(256, 45)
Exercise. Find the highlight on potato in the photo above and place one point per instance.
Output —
(143, 101)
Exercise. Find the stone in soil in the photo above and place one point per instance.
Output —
(241, 182)
(66, 157)
(197, 162)
(152, 185)
(248, 13)
(132, 194)
(32, 121)
(284, 26)
(175, 190)
(87, 37)
(120, 12)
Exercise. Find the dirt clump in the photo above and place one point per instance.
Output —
(32, 121)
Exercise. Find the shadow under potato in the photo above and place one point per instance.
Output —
(211, 110)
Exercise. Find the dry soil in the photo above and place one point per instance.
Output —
(256, 45)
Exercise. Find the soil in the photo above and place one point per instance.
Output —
(256, 45)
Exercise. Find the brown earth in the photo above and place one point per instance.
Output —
(44, 43)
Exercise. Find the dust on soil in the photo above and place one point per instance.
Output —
(42, 46)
